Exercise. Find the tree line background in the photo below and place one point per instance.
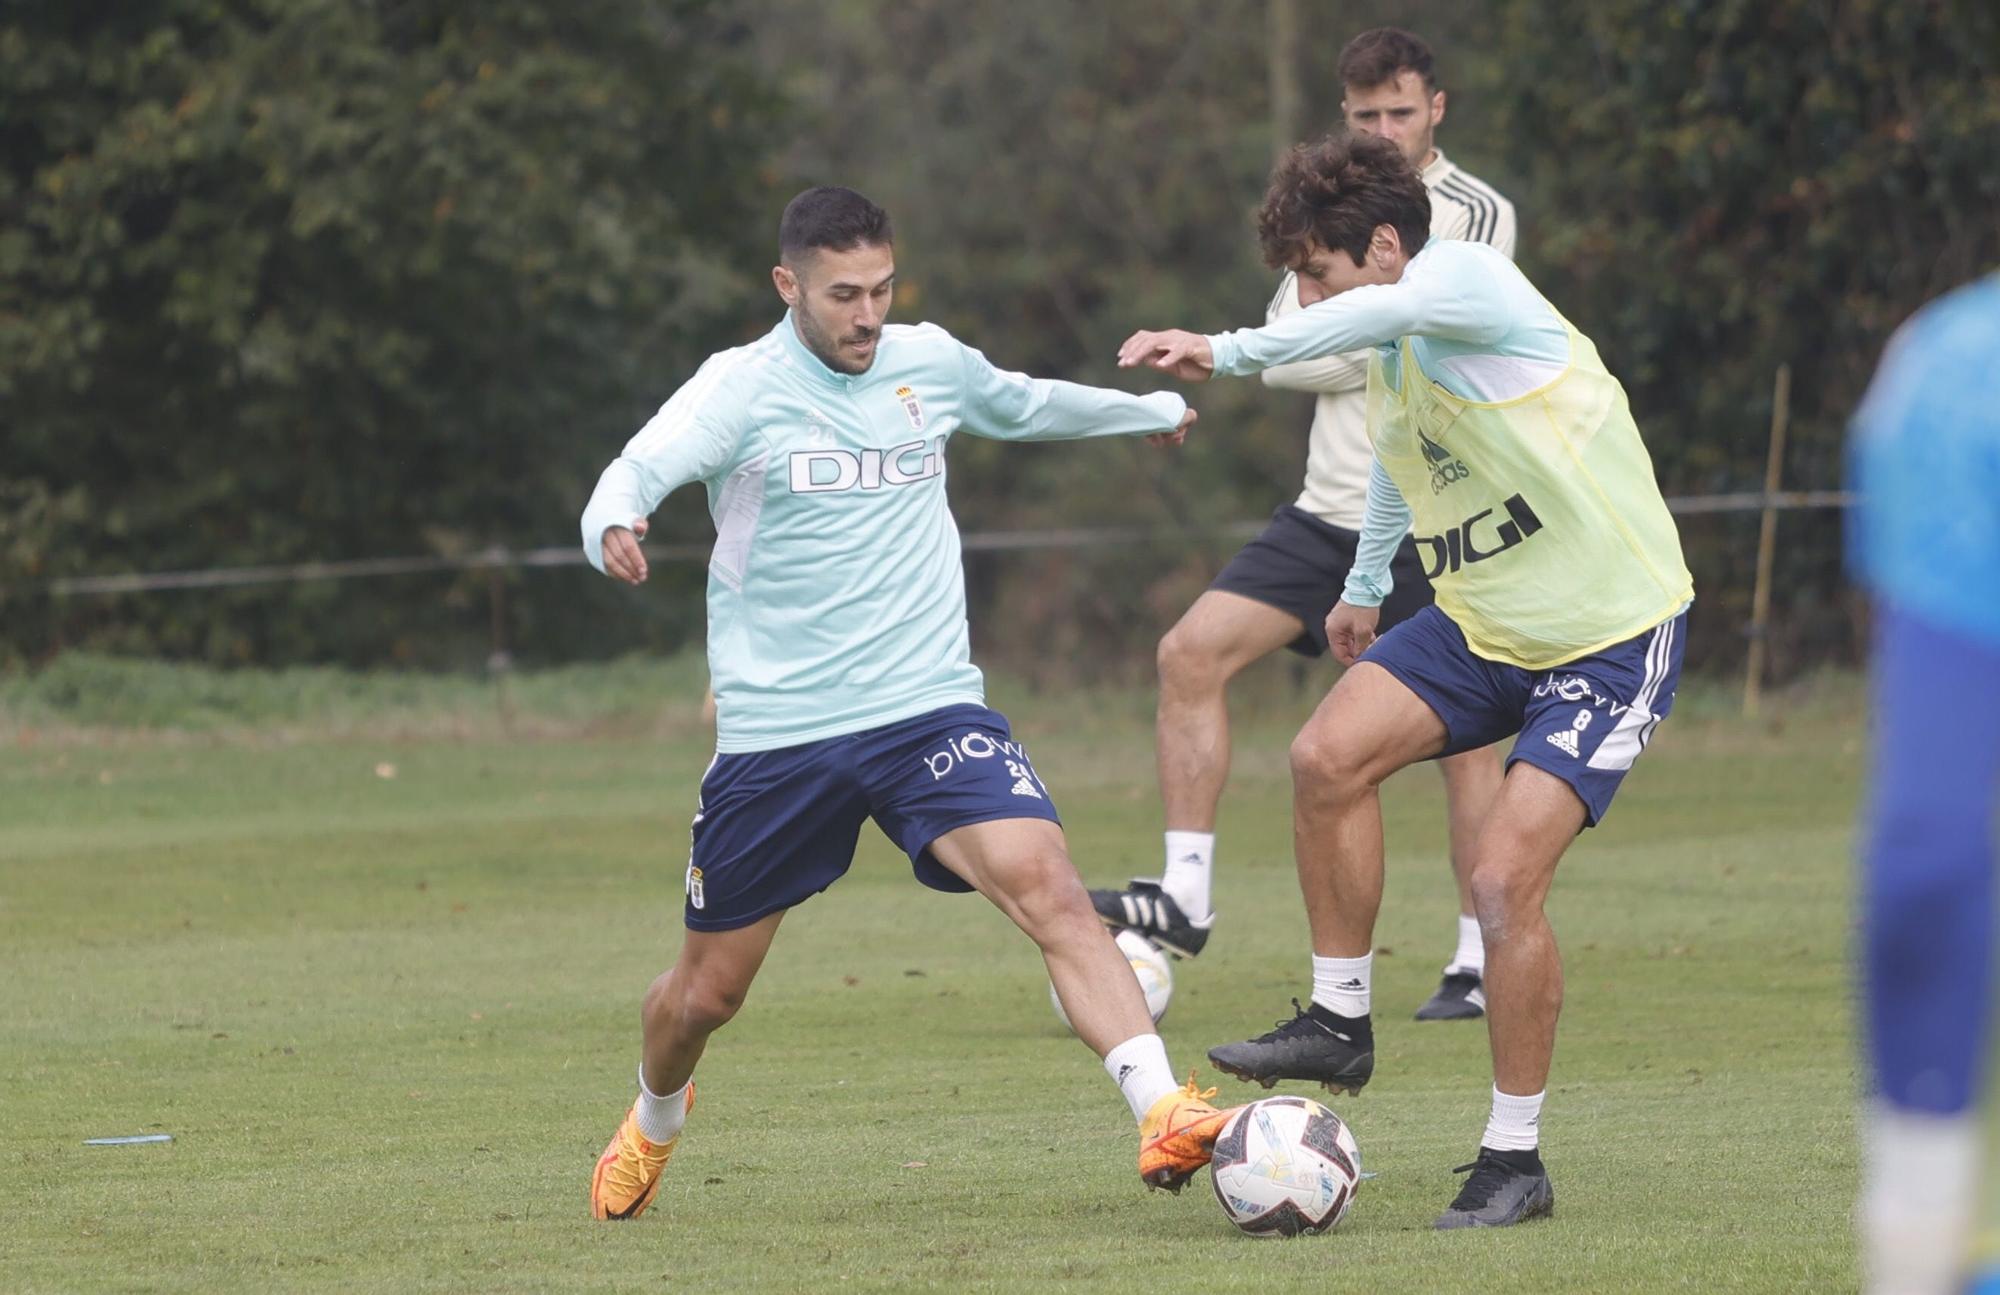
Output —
(289, 280)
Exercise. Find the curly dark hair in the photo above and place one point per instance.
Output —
(1334, 192)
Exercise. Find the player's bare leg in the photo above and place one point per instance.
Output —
(1023, 866)
(1533, 821)
(697, 996)
(1367, 728)
(1209, 646)
(1471, 781)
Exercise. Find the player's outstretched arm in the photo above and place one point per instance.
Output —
(1009, 406)
(1330, 375)
(1175, 352)
(1449, 291)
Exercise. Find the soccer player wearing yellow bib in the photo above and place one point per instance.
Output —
(1560, 612)
(1275, 593)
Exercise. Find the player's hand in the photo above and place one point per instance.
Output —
(622, 558)
(1166, 440)
(1350, 630)
(1178, 353)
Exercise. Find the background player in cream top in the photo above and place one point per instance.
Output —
(1278, 590)
(843, 685)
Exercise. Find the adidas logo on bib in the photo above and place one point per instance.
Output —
(1564, 740)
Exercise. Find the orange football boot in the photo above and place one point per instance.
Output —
(1177, 1137)
(628, 1173)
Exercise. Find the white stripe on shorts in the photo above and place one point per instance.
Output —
(1622, 745)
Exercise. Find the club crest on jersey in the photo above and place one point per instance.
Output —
(912, 408)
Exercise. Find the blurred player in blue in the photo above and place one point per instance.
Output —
(1926, 460)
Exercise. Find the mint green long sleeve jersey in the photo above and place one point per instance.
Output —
(836, 594)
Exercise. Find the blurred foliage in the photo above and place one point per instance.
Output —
(1740, 185)
(313, 279)
(318, 279)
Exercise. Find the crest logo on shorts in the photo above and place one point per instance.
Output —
(912, 409)
(694, 887)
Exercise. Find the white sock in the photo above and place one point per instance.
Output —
(1471, 954)
(1919, 1184)
(1190, 861)
(1139, 1065)
(660, 1118)
(1516, 1122)
(1341, 985)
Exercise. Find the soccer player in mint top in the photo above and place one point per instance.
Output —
(1561, 604)
(843, 685)
(1277, 591)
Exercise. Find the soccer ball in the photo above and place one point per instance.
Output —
(1156, 977)
(1284, 1167)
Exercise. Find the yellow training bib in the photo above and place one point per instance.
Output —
(1538, 518)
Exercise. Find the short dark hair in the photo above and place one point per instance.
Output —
(1378, 56)
(1334, 192)
(829, 216)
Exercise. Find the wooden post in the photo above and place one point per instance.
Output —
(1282, 61)
(499, 662)
(1767, 542)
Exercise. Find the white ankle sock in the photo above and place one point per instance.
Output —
(1190, 861)
(1919, 1187)
(660, 1118)
(1341, 985)
(1516, 1122)
(1471, 954)
(1139, 1066)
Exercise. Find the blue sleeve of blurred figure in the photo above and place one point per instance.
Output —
(1925, 539)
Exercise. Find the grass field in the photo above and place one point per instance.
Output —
(382, 989)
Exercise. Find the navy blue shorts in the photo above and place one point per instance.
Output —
(1299, 564)
(775, 828)
(1584, 722)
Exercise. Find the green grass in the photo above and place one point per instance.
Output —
(391, 1020)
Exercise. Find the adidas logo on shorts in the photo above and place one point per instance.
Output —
(1022, 787)
(1564, 740)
